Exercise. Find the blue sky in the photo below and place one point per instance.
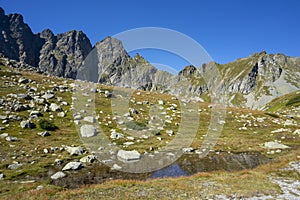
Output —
(227, 29)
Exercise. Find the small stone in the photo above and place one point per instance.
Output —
(107, 94)
(275, 145)
(48, 96)
(88, 159)
(58, 161)
(58, 175)
(11, 139)
(27, 124)
(297, 132)
(2, 176)
(128, 155)
(14, 166)
(44, 134)
(39, 187)
(54, 107)
(75, 150)
(160, 102)
(23, 80)
(36, 113)
(87, 130)
(45, 151)
(89, 119)
(170, 132)
(115, 135)
(61, 114)
(187, 150)
(3, 135)
(72, 166)
(116, 167)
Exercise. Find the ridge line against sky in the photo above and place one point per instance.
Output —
(227, 29)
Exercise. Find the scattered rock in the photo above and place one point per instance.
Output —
(58, 175)
(36, 113)
(2, 176)
(89, 119)
(88, 159)
(280, 130)
(75, 150)
(61, 114)
(160, 102)
(54, 107)
(27, 124)
(116, 167)
(275, 145)
(14, 166)
(3, 135)
(72, 166)
(23, 80)
(188, 150)
(44, 134)
(39, 187)
(128, 155)
(87, 130)
(115, 135)
(48, 96)
(297, 132)
(11, 139)
(107, 94)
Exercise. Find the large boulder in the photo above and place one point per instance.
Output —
(72, 166)
(58, 175)
(75, 150)
(27, 124)
(128, 155)
(87, 130)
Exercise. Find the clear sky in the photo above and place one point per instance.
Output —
(227, 29)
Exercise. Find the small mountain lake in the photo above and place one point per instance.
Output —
(186, 165)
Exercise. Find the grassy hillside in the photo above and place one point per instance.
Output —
(41, 157)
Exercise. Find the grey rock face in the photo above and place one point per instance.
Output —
(17, 40)
(58, 55)
(61, 55)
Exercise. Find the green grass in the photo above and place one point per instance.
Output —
(47, 125)
(293, 101)
(28, 150)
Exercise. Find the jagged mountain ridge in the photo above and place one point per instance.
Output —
(249, 82)
(58, 55)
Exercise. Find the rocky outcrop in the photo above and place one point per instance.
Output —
(59, 55)
(17, 40)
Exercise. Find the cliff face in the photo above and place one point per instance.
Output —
(61, 55)
(17, 40)
(58, 55)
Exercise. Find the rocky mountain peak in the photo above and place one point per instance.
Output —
(188, 71)
(47, 34)
(2, 13)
